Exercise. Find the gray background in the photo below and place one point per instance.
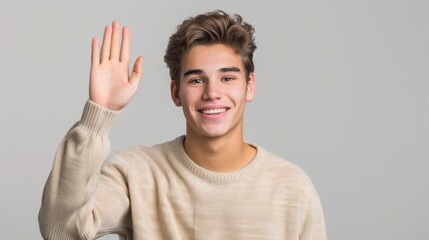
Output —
(342, 90)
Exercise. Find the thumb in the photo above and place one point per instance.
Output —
(137, 71)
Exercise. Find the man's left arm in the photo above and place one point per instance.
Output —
(312, 218)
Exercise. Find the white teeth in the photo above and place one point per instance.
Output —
(213, 111)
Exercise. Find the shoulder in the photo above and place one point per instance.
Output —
(292, 181)
(285, 173)
(150, 156)
(138, 151)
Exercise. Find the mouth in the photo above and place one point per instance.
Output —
(213, 111)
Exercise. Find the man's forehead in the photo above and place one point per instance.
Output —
(211, 58)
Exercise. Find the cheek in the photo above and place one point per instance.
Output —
(238, 95)
(187, 97)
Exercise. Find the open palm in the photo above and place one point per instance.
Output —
(111, 85)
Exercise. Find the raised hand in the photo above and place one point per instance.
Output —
(110, 83)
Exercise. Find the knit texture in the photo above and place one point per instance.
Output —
(158, 192)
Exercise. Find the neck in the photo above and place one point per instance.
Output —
(219, 154)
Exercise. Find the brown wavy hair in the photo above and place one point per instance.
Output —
(211, 28)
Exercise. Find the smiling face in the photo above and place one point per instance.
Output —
(213, 91)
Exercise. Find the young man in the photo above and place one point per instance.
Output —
(208, 184)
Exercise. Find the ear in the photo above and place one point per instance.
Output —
(174, 90)
(251, 87)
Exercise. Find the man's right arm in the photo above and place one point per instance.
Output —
(73, 198)
(74, 202)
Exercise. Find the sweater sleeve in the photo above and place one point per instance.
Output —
(312, 219)
(80, 201)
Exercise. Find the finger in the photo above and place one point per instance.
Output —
(125, 48)
(95, 60)
(137, 71)
(105, 48)
(114, 48)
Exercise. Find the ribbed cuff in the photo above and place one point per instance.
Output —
(97, 119)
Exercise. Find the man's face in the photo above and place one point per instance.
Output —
(213, 91)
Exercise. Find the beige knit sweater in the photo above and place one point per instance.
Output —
(160, 193)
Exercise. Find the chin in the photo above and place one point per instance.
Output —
(214, 134)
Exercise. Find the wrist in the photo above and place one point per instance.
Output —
(97, 118)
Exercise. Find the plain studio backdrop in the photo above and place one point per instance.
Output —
(342, 91)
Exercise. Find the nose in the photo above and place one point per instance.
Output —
(212, 90)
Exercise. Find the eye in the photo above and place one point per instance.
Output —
(227, 79)
(196, 80)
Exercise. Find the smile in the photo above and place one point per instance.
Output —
(213, 111)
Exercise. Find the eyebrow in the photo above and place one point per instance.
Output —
(192, 71)
(199, 71)
(230, 69)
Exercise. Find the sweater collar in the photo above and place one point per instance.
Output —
(220, 177)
